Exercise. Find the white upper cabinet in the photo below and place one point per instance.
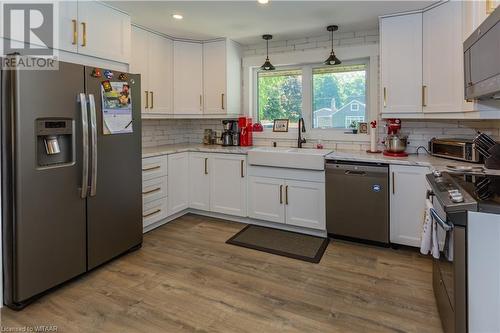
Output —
(68, 26)
(221, 77)
(160, 75)
(139, 63)
(214, 76)
(188, 78)
(152, 57)
(401, 63)
(443, 74)
(104, 32)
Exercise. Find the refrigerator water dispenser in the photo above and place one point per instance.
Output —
(55, 142)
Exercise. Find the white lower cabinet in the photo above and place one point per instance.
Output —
(293, 202)
(305, 204)
(407, 203)
(154, 190)
(265, 199)
(199, 181)
(178, 180)
(228, 184)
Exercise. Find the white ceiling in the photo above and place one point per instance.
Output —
(246, 21)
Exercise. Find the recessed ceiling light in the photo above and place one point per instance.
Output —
(178, 16)
(263, 1)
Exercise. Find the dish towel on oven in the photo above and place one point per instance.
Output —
(429, 241)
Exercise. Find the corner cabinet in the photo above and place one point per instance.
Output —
(288, 201)
(188, 78)
(407, 204)
(228, 190)
(152, 57)
(401, 64)
(178, 180)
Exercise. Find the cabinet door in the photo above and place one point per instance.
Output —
(68, 26)
(104, 32)
(305, 204)
(228, 184)
(160, 62)
(407, 204)
(188, 72)
(443, 70)
(266, 199)
(214, 77)
(139, 63)
(401, 63)
(177, 184)
(199, 181)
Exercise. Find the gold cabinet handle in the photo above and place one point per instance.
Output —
(75, 32)
(201, 102)
(490, 7)
(152, 191)
(242, 174)
(222, 101)
(424, 97)
(152, 168)
(147, 99)
(286, 195)
(152, 213)
(152, 100)
(84, 34)
(385, 97)
(281, 194)
(206, 165)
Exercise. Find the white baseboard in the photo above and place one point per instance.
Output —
(239, 219)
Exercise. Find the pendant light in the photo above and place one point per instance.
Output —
(332, 59)
(267, 65)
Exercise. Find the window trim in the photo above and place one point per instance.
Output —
(309, 58)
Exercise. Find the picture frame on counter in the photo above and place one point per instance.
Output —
(280, 125)
(363, 128)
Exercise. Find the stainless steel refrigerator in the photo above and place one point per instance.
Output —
(71, 176)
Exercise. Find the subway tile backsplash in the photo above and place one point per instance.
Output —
(162, 132)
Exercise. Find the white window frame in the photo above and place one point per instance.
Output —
(356, 105)
(307, 60)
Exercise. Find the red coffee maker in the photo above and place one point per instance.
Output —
(245, 125)
(395, 143)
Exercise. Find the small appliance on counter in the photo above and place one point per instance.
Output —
(395, 143)
(230, 135)
(489, 149)
(246, 130)
(456, 149)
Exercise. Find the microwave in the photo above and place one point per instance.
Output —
(482, 60)
(456, 149)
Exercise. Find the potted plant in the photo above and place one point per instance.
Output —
(354, 127)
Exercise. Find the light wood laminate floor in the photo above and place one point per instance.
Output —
(186, 279)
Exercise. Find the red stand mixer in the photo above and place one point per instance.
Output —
(395, 143)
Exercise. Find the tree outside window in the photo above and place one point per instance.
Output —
(279, 96)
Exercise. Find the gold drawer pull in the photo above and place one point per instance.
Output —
(75, 32)
(84, 35)
(152, 191)
(152, 168)
(385, 97)
(152, 213)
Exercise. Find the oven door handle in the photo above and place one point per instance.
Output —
(445, 225)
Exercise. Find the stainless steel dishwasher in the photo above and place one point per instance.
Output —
(357, 201)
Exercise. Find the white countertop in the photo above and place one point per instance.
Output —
(344, 155)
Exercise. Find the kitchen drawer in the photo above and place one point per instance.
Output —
(154, 211)
(154, 189)
(154, 167)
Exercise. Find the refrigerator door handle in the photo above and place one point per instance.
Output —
(93, 137)
(85, 138)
